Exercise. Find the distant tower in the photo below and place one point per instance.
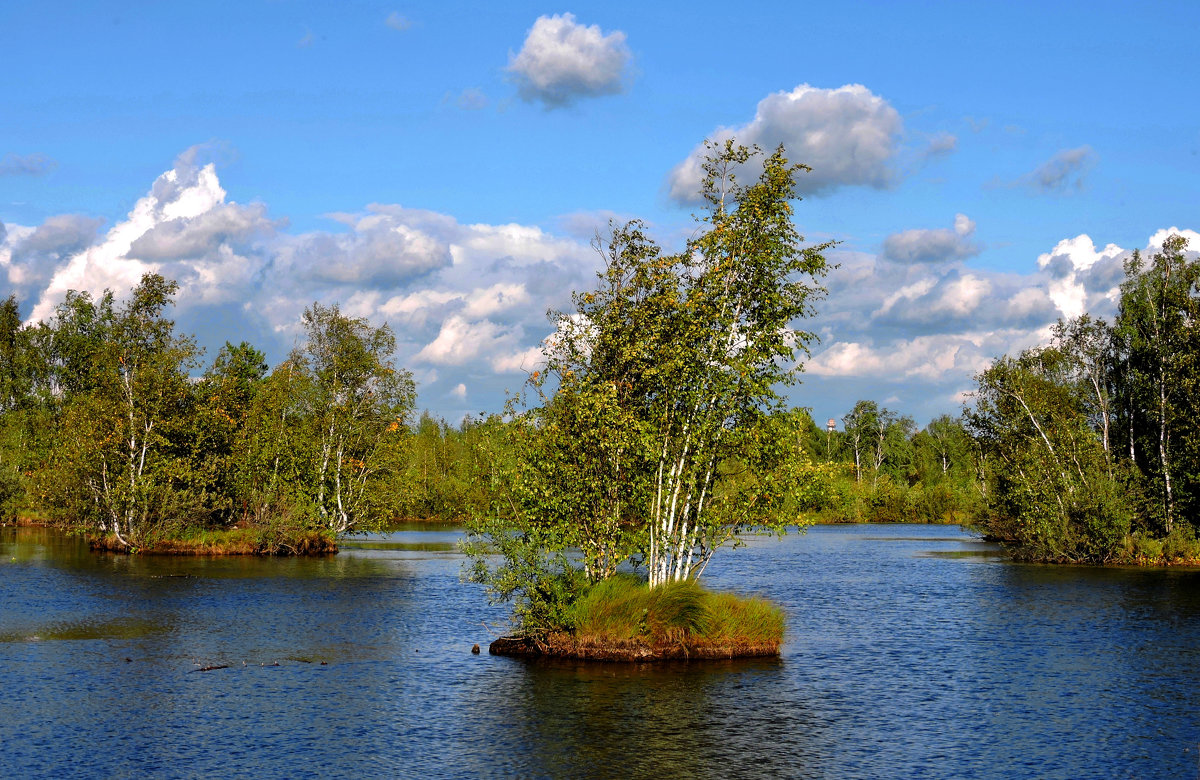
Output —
(829, 426)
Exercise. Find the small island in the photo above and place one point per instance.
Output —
(623, 619)
(656, 435)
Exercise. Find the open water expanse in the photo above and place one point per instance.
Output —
(913, 651)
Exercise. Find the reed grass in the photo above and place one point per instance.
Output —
(624, 610)
(255, 540)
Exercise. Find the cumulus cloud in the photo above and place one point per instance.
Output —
(848, 136)
(1070, 263)
(523, 361)
(933, 246)
(1063, 172)
(379, 250)
(468, 301)
(930, 326)
(1191, 236)
(463, 298)
(28, 255)
(25, 165)
(562, 61)
(195, 236)
(182, 228)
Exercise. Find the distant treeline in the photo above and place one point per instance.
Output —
(1090, 444)
(104, 426)
(1083, 450)
(110, 423)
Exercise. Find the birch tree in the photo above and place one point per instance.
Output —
(696, 346)
(353, 397)
(114, 449)
(1052, 489)
(1158, 327)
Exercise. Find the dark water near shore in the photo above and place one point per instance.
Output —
(914, 651)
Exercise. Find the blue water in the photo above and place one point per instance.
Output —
(913, 651)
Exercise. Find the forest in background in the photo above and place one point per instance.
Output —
(110, 423)
(1081, 450)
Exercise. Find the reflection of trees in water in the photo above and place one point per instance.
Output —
(224, 609)
(681, 719)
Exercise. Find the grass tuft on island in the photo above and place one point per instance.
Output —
(263, 541)
(623, 619)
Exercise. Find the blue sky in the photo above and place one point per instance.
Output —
(441, 166)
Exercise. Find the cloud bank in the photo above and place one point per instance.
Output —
(471, 298)
(468, 301)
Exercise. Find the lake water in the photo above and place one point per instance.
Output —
(913, 651)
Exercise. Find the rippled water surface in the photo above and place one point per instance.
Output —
(913, 651)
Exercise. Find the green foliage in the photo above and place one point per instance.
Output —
(1054, 490)
(525, 564)
(654, 439)
(353, 401)
(1089, 443)
(581, 457)
(104, 428)
(1156, 374)
(682, 355)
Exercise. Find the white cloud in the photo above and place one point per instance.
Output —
(562, 61)
(461, 340)
(1070, 259)
(933, 325)
(459, 391)
(522, 361)
(1192, 237)
(468, 301)
(848, 136)
(933, 246)
(184, 209)
(464, 297)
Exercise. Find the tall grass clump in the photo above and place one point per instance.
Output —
(624, 610)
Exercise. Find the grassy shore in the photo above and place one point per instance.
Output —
(233, 541)
(623, 619)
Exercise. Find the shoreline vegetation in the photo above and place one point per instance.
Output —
(234, 541)
(648, 431)
(623, 619)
